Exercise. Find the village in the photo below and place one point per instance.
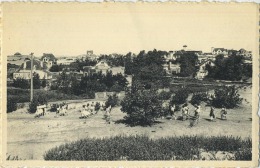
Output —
(93, 96)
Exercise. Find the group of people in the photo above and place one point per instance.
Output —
(186, 114)
(223, 113)
(88, 110)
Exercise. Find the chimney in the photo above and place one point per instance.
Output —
(24, 64)
(212, 49)
(42, 64)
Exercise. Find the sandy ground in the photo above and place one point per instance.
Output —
(29, 137)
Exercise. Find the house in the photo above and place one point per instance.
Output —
(172, 68)
(66, 61)
(24, 71)
(217, 51)
(102, 67)
(48, 59)
(202, 72)
(17, 59)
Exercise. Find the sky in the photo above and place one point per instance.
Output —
(72, 29)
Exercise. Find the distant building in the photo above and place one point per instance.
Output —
(102, 67)
(48, 59)
(25, 70)
(202, 72)
(66, 61)
(172, 68)
(217, 51)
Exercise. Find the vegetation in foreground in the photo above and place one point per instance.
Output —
(144, 148)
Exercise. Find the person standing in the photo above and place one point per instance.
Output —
(185, 111)
(212, 114)
(197, 111)
(172, 111)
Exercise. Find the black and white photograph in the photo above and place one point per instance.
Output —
(131, 82)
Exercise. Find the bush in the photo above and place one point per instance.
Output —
(197, 98)
(112, 101)
(164, 95)
(97, 106)
(144, 148)
(39, 100)
(142, 107)
(11, 105)
(226, 96)
(180, 97)
(33, 106)
(21, 83)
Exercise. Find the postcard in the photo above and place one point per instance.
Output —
(129, 84)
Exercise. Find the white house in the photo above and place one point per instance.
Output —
(202, 72)
(217, 51)
(25, 70)
(48, 59)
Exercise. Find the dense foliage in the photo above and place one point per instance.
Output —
(147, 68)
(38, 100)
(112, 101)
(188, 64)
(141, 106)
(199, 97)
(90, 84)
(180, 97)
(230, 68)
(144, 148)
(226, 96)
(25, 84)
(11, 105)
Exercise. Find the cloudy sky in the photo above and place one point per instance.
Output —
(72, 29)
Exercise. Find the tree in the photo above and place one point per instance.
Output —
(36, 81)
(21, 83)
(56, 68)
(44, 83)
(231, 68)
(180, 97)
(112, 101)
(197, 98)
(141, 106)
(226, 96)
(37, 100)
(188, 64)
(11, 105)
(64, 82)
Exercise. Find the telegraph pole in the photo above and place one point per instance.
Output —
(31, 98)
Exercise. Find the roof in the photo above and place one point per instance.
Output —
(36, 64)
(221, 49)
(49, 56)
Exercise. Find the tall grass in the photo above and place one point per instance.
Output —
(144, 148)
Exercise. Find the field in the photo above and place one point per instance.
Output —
(30, 138)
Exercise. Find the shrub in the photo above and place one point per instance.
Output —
(142, 107)
(39, 100)
(97, 106)
(164, 95)
(112, 100)
(11, 105)
(33, 106)
(226, 96)
(180, 97)
(21, 83)
(197, 98)
(144, 148)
